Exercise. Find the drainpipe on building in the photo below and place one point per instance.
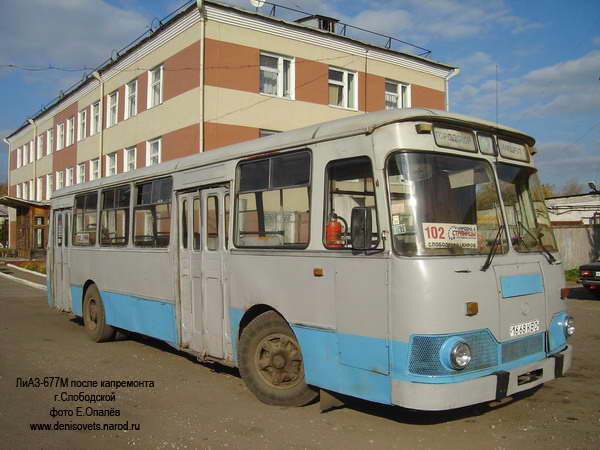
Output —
(202, 11)
(454, 72)
(97, 76)
(10, 243)
(35, 155)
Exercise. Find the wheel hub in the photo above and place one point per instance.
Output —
(279, 361)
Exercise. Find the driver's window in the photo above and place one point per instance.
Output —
(349, 184)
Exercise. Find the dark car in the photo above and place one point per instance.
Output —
(590, 277)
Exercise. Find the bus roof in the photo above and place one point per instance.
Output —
(351, 126)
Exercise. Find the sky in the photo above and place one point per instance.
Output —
(533, 65)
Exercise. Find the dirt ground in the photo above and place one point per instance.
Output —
(201, 406)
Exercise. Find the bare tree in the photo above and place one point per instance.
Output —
(573, 187)
(549, 190)
(3, 189)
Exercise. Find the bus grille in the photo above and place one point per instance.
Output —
(523, 347)
(424, 356)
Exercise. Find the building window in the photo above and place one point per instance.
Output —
(131, 99)
(49, 180)
(114, 217)
(95, 125)
(49, 141)
(38, 189)
(277, 75)
(19, 191)
(19, 157)
(81, 125)
(397, 95)
(69, 176)
(60, 133)
(153, 151)
(152, 213)
(31, 190)
(113, 108)
(273, 208)
(111, 164)
(26, 190)
(85, 219)
(25, 154)
(80, 173)
(31, 151)
(342, 88)
(39, 148)
(155, 86)
(60, 180)
(94, 169)
(130, 155)
(70, 131)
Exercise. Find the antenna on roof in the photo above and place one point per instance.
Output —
(257, 3)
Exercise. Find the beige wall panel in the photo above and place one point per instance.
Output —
(156, 57)
(260, 111)
(44, 166)
(21, 174)
(276, 44)
(44, 126)
(92, 97)
(88, 149)
(179, 112)
(21, 141)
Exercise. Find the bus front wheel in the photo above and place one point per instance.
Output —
(270, 362)
(93, 316)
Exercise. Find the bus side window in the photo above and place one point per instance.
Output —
(349, 183)
(196, 213)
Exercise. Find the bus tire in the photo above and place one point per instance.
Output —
(270, 362)
(93, 316)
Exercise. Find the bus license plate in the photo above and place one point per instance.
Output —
(525, 328)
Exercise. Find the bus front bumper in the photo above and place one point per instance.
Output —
(437, 397)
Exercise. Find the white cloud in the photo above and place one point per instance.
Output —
(65, 33)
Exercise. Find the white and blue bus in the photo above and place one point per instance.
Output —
(403, 257)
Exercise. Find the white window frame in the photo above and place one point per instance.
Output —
(149, 146)
(19, 157)
(280, 75)
(25, 154)
(397, 95)
(94, 171)
(19, 191)
(129, 99)
(111, 157)
(96, 118)
(49, 141)
(26, 190)
(69, 175)
(127, 159)
(82, 125)
(60, 180)
(81, 173)
(112, 103)
(38, 149)
(70, 131)
(38, 190)
(60, 136)
(151, 84)
(344, 85)
(49, 179)
(31, 151)
(32, 189)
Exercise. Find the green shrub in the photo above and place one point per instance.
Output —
(572, 274)
(35, 266)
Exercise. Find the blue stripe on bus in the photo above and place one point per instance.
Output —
(517, 285)
(322, 367)
(49, 288)
(235, 317)
(152, 318)
(364, 352)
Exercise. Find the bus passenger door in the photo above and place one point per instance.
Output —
(213, 251)
(60, 281)
(189, 271)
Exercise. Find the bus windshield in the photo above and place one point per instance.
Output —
(443, 205)
(526, 212)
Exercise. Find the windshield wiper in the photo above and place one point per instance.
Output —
(490, 256)
(551, 259)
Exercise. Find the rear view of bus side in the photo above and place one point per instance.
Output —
(403, 257)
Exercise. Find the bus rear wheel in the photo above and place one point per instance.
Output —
(93, 316)
(270, 362)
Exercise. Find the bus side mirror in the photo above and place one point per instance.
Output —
(361, 225)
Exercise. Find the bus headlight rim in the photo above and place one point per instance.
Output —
(569, 326)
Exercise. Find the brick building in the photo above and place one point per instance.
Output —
(210, 76)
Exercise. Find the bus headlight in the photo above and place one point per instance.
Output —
(455, 354)
(569, 326)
